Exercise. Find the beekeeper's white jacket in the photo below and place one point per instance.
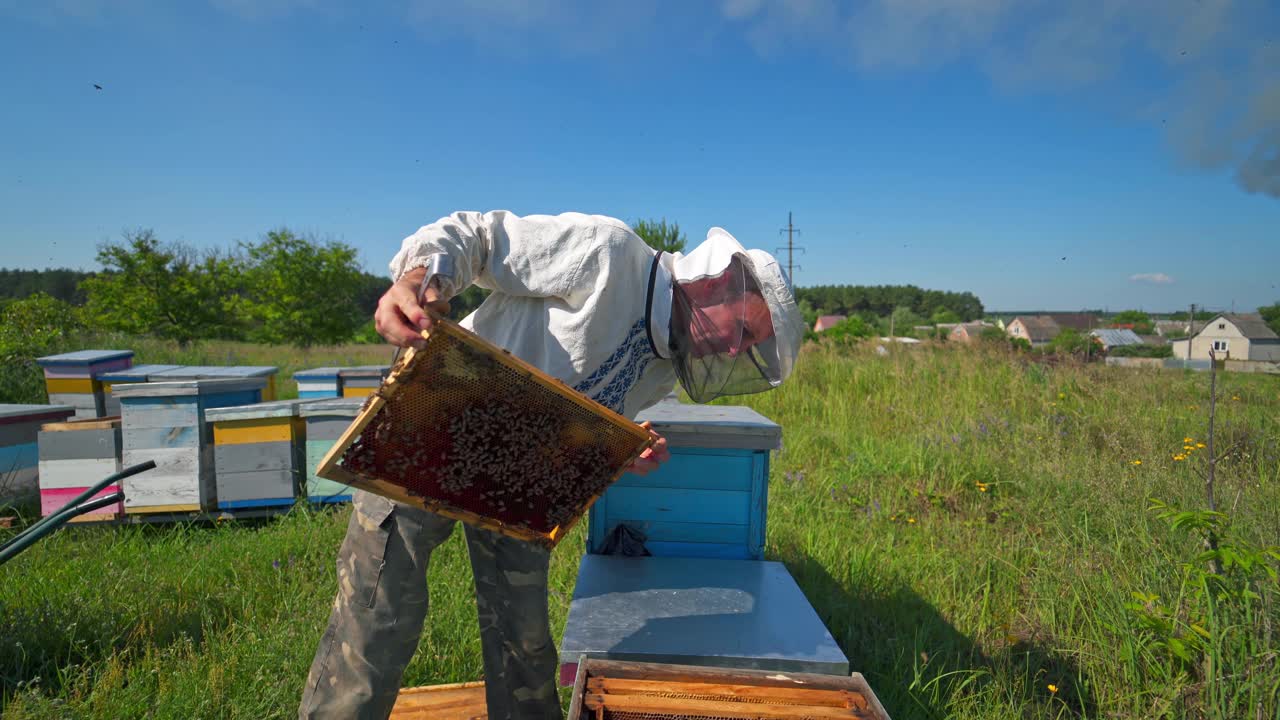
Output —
(569, 297)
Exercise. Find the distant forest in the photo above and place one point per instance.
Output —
(61, 283)
(883, 300)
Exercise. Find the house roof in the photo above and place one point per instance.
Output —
(1251, 325)
(1084, 322)
(827, 322)
(1114, 337)
(1039, 327)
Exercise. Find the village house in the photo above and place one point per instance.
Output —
(1035, 329)
(1234, 336)
(826, 322)
(1040, 330)
(1116, 337)
(968, 332)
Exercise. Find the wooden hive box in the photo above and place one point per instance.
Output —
(217, 372)
(75, 455)
(317, 383)
(133, 374)
(19, 446)
(459, 701)
(710, 499)
(73, 378)
(165, 422)
(464, 429)
(259, 453)
(326, 420)
(362, 381)
(613, 690)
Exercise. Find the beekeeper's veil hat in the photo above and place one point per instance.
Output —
(735, 327)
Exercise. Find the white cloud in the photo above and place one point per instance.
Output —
(1154, 278)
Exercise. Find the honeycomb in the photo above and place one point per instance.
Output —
(474, 431)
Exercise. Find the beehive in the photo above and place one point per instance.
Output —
(457, 701)
(132, 374)
(321, 382)
(165, 422)
(326, 421)
(259, 454)
(466, 430)
(75, 455)
(73, 378)
(710, 499)
(709, 612)
(361, 381)
(19, 449)
(218, 372)
(612, 690)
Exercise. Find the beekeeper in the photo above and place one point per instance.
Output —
(584, 299)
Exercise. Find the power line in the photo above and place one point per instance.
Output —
(791, 248)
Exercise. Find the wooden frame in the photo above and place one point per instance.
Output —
(684, 690)
(331, 470)
(456, 701)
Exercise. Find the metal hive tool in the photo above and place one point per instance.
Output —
(464, 429)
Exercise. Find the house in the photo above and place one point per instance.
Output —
(826, 322)
(1115, 337)
(1084, 323)
(1035, 329)
(1176, 327)
(968, 332)
(1235, 336)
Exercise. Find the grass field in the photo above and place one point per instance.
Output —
(972, 528)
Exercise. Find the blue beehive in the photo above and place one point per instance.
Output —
(165, 422)
(321, 382)
(710, 499)
(326, 420)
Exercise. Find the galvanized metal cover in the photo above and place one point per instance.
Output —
(84, 357)
(137, 373)
(337, 407)
(726, 613)
(713, 426)
(187, 387)
(34, 413)
(273, 409)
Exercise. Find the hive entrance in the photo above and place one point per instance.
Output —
(466, 430)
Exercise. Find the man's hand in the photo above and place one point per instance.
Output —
(399, 317)
(653, 456)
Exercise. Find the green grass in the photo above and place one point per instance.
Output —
(953, 601)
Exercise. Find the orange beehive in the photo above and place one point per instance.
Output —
(465, 429)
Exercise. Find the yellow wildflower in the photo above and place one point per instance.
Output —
(1235, 397)
(1053, 688)
(1179, 457)
(1136, 462)
(1200, 445)
(911, 521)
(1186, 440)
(1062, 396)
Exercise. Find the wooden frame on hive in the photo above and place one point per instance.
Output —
(445, 337)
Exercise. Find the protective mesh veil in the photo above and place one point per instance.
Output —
(722, 335)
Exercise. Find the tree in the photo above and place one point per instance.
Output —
(167, 290)
(943, 315)
(659, 235)
(302, 291)
(1140, 321)
(1071, 341)
(31, 327)
(993, 334)
(849, 329)
(1271, 313)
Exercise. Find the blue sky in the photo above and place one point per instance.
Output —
(953, 144)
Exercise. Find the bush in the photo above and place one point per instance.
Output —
(29, 328)
(1142, 351)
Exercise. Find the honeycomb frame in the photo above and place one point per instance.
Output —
(445, 337)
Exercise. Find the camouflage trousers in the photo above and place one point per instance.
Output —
(378, 615)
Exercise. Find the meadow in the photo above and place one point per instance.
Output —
(976, 530)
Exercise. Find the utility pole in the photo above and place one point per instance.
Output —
(1191, 330)
(791, 231)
